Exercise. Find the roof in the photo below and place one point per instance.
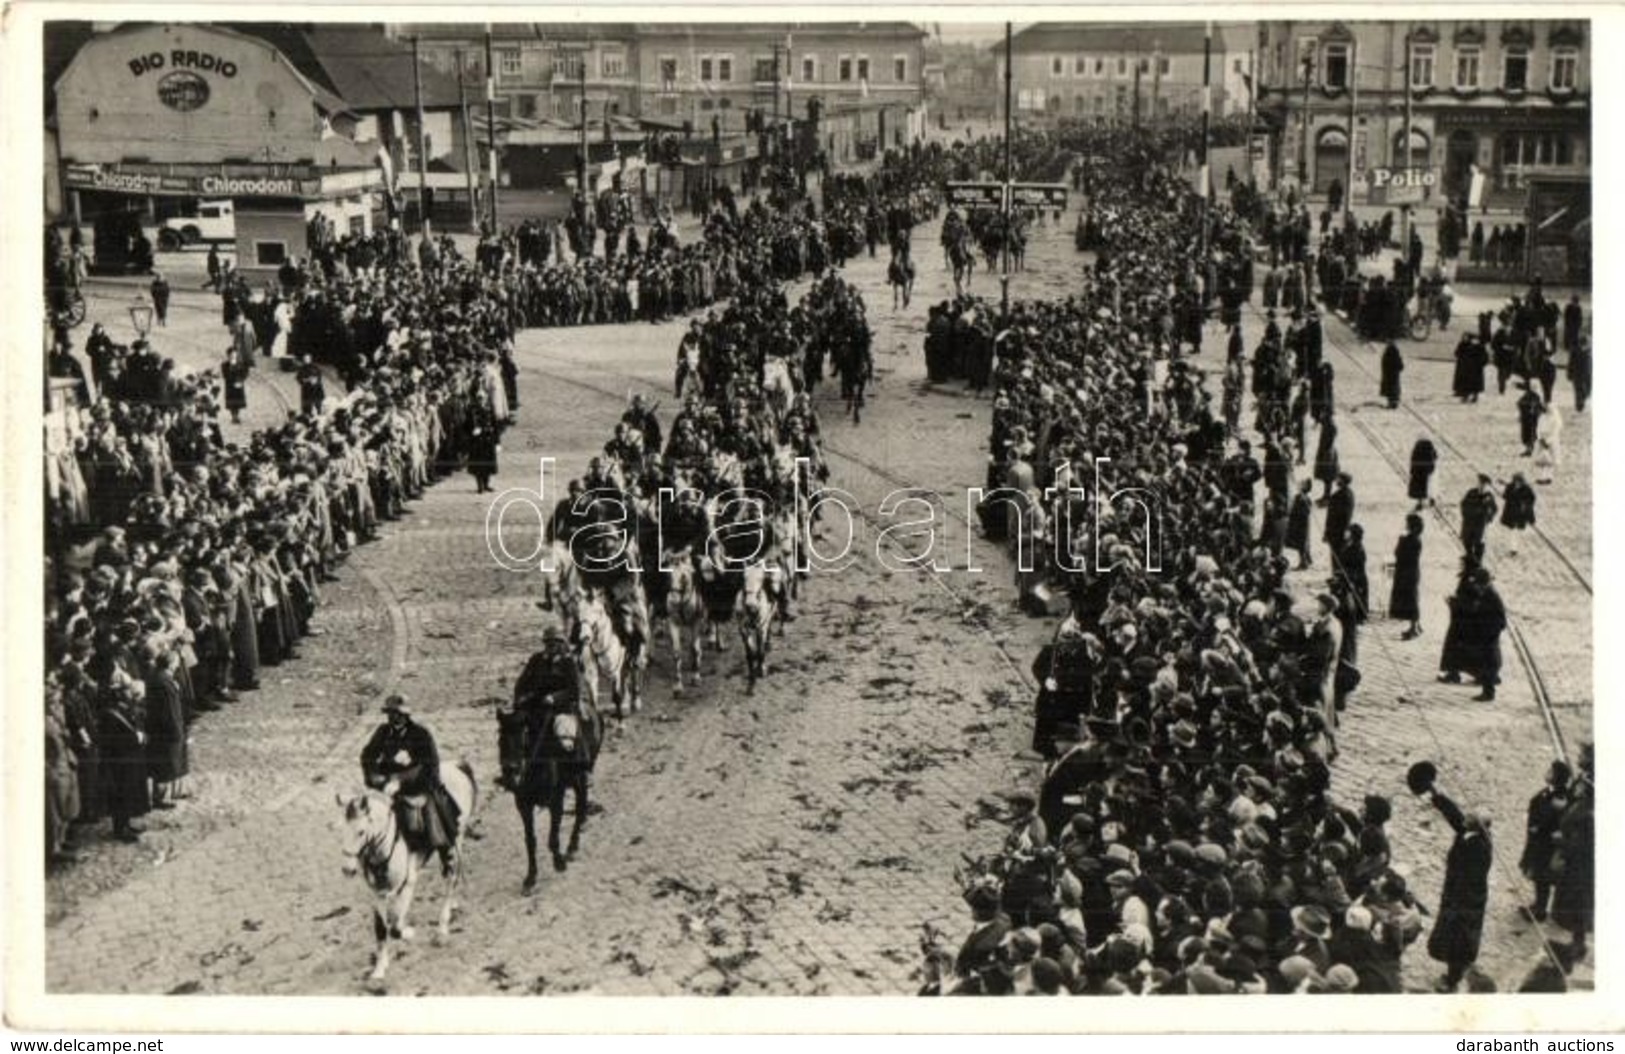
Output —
(1115, 37)
(358, 63)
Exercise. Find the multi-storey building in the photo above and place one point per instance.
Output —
(1114, 71)
(1506, 100)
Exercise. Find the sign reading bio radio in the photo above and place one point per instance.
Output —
(1402, 186)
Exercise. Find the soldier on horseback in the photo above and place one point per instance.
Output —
(401, 759)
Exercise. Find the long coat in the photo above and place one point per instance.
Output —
(1576, 879)
(166, 729)
(1518, 506)
(1424, 459)
(1393, 364)
(1339, 515)
(1326, 462)
(1403, 602)
(1487, 620)
(1466, 892)
(124, 759)
(1298, 522)
(1546, 811)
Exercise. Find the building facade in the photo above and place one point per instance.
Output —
(1119, 72)
(1508, 101)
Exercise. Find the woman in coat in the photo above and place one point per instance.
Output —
(1459, 922)
(482, 452)
(1351, 570)
(1574, 899)
(1326, 463)
(1467, 383)
(1403, 599)
(234, 375)
(166, 729)
(1546, 810)
(1393, 364)
(1518, 506)
(1424, 459)
(1298, 523)
(1488, 620)
(124, 756)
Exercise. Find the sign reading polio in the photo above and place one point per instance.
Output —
(1402, 186)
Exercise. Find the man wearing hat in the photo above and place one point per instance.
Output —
(1320, 672)
(1465, 893)
(1478, 509)
(401, 760)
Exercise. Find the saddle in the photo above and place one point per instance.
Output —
(428, 821)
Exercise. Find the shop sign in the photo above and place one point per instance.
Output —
(126, 181)
(976, 195)
(1402, 186)
(181, 59)
(1039, 195)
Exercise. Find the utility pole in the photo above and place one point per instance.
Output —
(1009, 172)
(1156, 80)
(776, 75)
(581, 165)
(1201, 168)
(1303, 152)
(423, 147)
(1405, 210)
(1252, 114)
(1136, 110)
(491, 124)
(1354, 111)
(468, 146)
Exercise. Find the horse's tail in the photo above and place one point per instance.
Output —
(473, 789)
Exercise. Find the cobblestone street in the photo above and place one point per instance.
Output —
(791, 841)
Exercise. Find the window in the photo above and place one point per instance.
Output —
(706, 68)
(809, 69)
(1100, 105)
(1100, 67)
(725, 103)
(899, 69)
(844, 66)
(1237, 67)
(863, 67)
(1421, 65)
(1078, 104)
(1165, 65)
(1057, 66)
(765, 71)
(1467, 67)
(1336, 74)
(509, 65)
(1080, 66)
(725, 68)
(668, 72)
(270, 254)
(525, 105)
(1122, 65)
(1565, 69)
(569, 67)
(613, 64)
(1515, 69)
(1519, 149)
(1144, 65)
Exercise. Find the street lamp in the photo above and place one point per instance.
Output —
(141, 316)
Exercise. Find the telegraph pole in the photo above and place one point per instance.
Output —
(774, 139)
(1136, 93)
(1156, 79)
(468, 146)
(1252, 114)
(1009, 173)
(1202, 172)
(491, 124)
(1405, 210)
(1303, 152)
(1354, 103)
(581, 165)
(423, 148)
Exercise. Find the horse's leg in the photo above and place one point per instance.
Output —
(581, 812)
(696, 646)
(676, 632)
(382, 926)
(403, 904)
(527, 816)
(555, 817)
(454, 878)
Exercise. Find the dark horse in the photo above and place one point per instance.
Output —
(547, 749)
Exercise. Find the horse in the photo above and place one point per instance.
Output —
(854, 370)
(563, 583)
(376, 847)
(685, 616)
(544, 753)
(778, 387)
(756, 612)
(603, 652)
(719, 589)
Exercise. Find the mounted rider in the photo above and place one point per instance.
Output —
(401, 759)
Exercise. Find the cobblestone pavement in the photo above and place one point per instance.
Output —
(786, 842)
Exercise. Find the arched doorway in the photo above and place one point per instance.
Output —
(1420, 154)
(1460, 154)
(1331, 158)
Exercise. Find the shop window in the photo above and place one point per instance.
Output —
(1467, 61)
(613, 63)
(1515, 69)
(1422, 65)
(1565, 69)
(270, 254)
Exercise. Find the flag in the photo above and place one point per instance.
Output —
(1200, 181)
(863, 88)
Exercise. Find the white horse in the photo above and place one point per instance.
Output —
(376, 847)
(685, 616)
(562, 585)
(757, 608)
(778, 386)
(604, 654)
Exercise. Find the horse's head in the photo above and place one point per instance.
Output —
(681, 572)
(367, 816)
(513, 733)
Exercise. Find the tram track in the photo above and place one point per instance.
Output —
(1520, 642)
